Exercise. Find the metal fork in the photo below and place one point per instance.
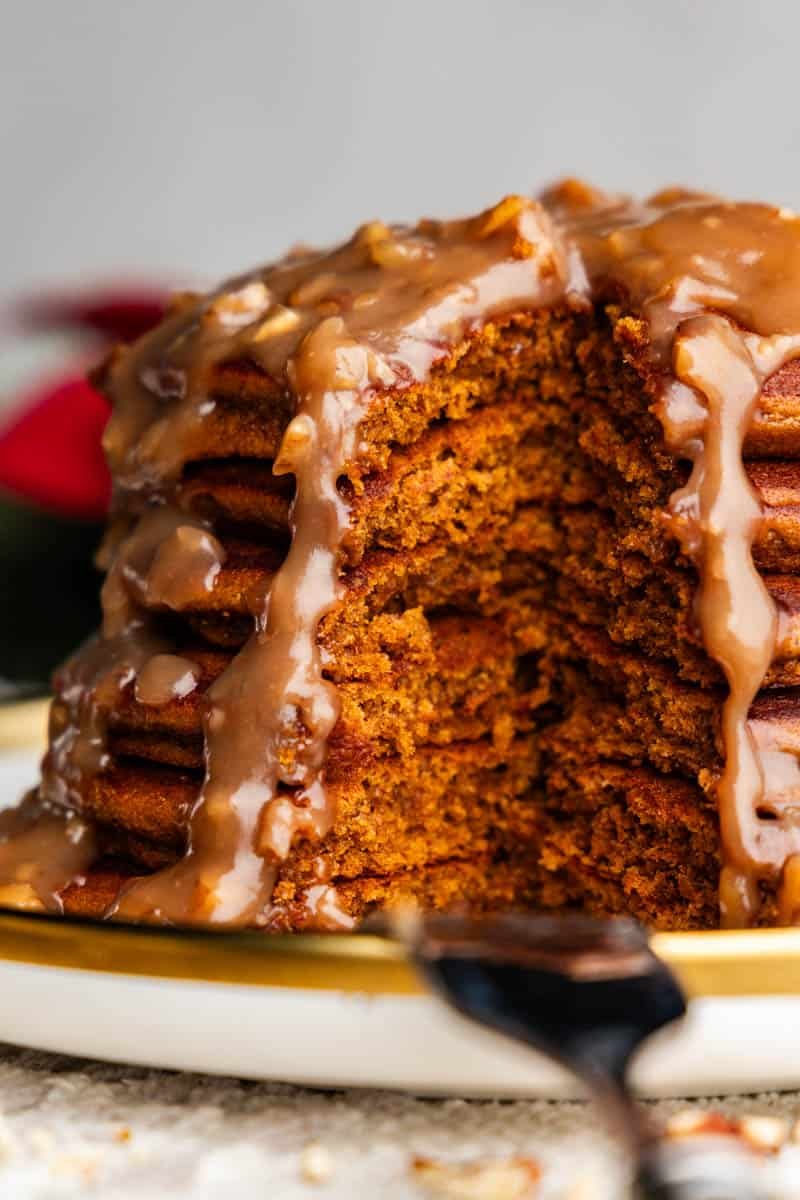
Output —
(587, 993)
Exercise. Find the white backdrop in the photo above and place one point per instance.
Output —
(190, 138)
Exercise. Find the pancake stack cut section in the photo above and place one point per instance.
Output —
(455, 565)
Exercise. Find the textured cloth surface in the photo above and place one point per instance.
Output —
(75, 1128)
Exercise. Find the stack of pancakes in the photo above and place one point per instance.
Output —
(528, 712)
(431, 762)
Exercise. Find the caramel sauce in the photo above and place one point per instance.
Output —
(715, 284)
(331, 329)
(164, 678)
(167, 561)
(42, 849)
(87, 689)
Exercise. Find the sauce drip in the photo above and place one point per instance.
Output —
(164, 678)
(42, 850)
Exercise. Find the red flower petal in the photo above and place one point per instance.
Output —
(118, 315)
(51, 454)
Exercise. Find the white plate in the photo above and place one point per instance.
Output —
(348, 1011)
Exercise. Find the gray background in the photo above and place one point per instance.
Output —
(186, 139)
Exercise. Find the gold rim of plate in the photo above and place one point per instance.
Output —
(715, 963)
(23, 723)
